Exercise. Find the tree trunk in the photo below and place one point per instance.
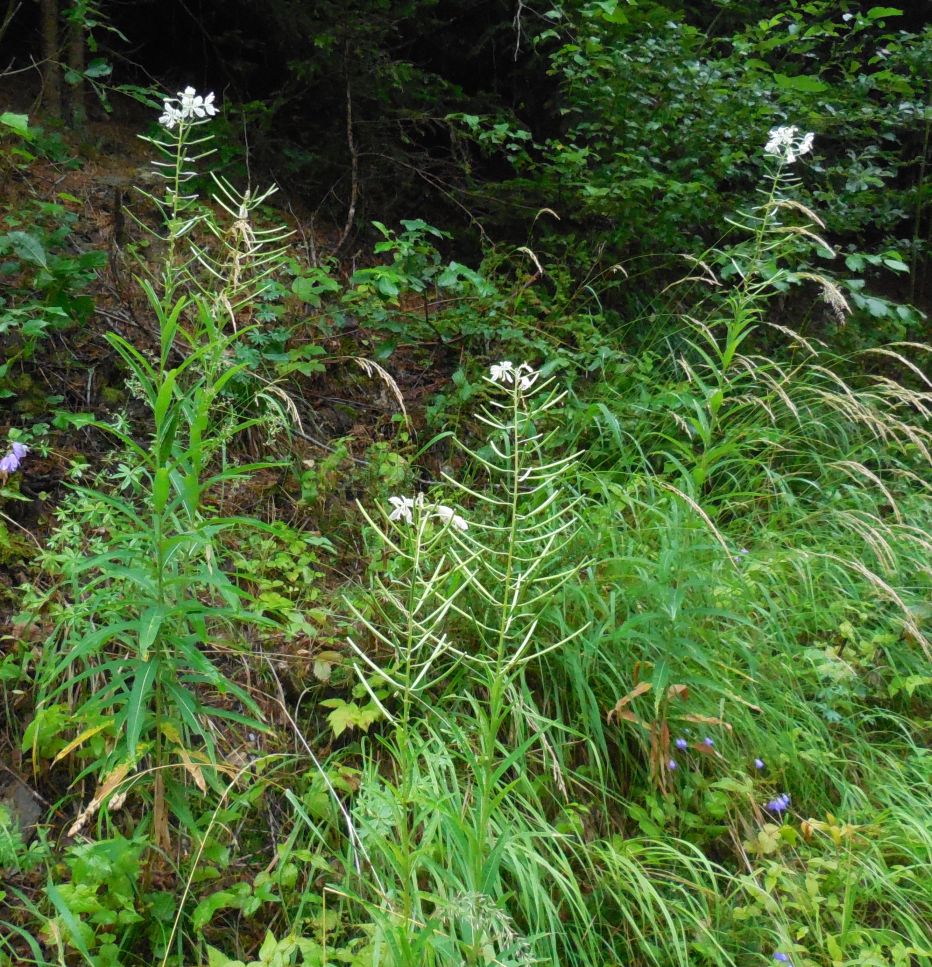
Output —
(11, 7)
(51, 68)
(76, 57)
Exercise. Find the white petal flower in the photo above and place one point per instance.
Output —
(190, 105)
(170, 115)
(785, 144)
(449, 516)
(403, 509)
(187, 98)
(527, 376)
(780, 139)
(506, 373)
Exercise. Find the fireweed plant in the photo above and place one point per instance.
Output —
(758, 499)
(462, 596)
(140, 648)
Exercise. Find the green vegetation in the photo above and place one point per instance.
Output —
(565, 605)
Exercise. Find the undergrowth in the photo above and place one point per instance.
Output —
(625, 664)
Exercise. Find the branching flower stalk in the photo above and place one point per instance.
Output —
(411, 605)
(183, 115)
(516, 575)
(468, 590)
(746, 301)
(157, 591)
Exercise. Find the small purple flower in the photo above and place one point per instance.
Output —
(782, 958)
(671, 765)
(681, 744)
(758, 763)
(10, 462)
(780, 804)
(708, 742)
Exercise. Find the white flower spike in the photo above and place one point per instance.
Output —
(785, 144)
(187, 105)
(506, 373)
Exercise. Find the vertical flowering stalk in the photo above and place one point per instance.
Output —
(182, 115)
(786, 145)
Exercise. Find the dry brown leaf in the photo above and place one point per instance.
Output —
(638, 689)
(103, 791)
(192, 768)
(706, 720)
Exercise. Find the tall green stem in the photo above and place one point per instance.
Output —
(498, 685)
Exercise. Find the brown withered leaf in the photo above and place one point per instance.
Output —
(706, 720)
(103, 791)
(192, 768)
(638, 689)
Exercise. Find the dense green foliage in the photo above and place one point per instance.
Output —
(566, 605)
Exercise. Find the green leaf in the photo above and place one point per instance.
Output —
(164, 398)
(149, 625)
(17, 122)
(217, 959)
(232, 899)
(875, 13)
(608, 11)
(348, 715)
(387, 286)
(138, 705)
(79, 932)
(28, 248)
(854, 262)
(98, 68)
(310, 289)
(808, 83)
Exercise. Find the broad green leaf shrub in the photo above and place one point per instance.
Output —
(660, 123)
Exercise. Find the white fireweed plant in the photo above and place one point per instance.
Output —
(718, 374)
(470, 575)
(137, 651)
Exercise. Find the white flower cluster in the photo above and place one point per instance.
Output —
(507, 373)
(185, 106)
(404, 511)
(785, 143)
